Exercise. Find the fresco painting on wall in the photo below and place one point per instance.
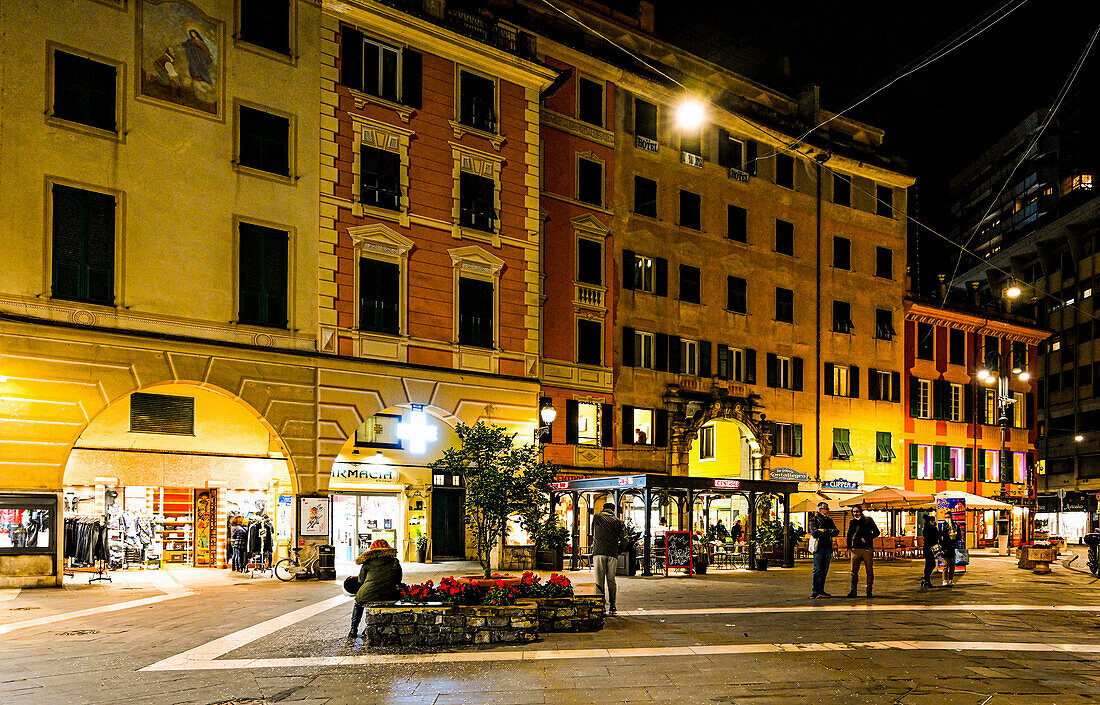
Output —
(181, 56)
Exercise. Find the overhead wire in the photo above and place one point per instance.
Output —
(782, 139)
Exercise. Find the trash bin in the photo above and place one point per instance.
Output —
(326, 562)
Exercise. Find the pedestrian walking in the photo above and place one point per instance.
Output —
(931, 535)
(607, 537)
(862, 532)
(379, 579)
(822, 531)
(949, 541)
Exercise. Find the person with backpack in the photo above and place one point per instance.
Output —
(379, 580)
(949, 541)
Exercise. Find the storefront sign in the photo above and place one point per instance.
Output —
(840, 484)
(738, 175)
(788, 475)
(559, 485)
(727, 484)
(626, 480)
(365, 471)
(417, 431)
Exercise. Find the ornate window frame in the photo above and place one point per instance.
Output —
(473, 262)
(391, 139)
(480, 163)
(380, 242)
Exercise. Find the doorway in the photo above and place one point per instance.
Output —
(448, 527)
(358, 520)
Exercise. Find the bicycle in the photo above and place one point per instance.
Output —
(305, 566)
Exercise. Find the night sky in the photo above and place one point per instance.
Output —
(936, 119)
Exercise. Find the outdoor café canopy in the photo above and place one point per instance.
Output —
(809, 503)
(888, 498)
(974, 501)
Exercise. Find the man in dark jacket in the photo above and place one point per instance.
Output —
(379, 578)
(607, 533)
(931, 536)
(823, 529)
(862, 532)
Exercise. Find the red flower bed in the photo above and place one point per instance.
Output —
(504, 590)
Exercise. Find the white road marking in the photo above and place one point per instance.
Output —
(207, 656)
(161, 580)
(9, 594)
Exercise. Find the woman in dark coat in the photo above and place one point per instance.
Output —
(931, 535)
(379, 578)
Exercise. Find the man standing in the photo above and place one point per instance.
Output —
(822, 531)
(607, 533)
(862, 532)
(735, 531)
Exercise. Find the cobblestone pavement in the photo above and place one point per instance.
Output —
(1001, 635)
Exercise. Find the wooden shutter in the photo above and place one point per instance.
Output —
(895, 386)
(914, 397)
(263, 276)
(351, 58)
(411, 81)
(968, 463)
(796, 440)
(873, 386)
(660, 287)
(628, 347)
(796, 374)
(723, 362)
(750, 157)
(628, 425)
(968, 403)
(572, 414)
(827, 378)
(750, 366)
(628, 112)
(723, 147)
(771, 364)
(914, 459)
(853, 382)
(660, 421)
(628, 269)
(979, 405)
(1029, 401)
(704, 358)
(981, 465)
(660, 355)
(607, 425)
(675, 362)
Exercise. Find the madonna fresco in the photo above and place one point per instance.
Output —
(181, 56)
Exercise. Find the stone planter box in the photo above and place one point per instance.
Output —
(517, 558)
(550, 560)
(448, 625)
(570, 614)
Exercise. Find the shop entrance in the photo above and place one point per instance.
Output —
(448, 526)
(166, 476)
(358, 520)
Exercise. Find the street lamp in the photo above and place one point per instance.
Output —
(547, 414)
(992, 374)
(690, 114)
(1013, 291)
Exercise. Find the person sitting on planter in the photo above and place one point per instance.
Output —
(379, 579)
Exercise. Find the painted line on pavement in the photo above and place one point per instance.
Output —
(638, 652)
(819, 608)
(206, 656)
(162, 581)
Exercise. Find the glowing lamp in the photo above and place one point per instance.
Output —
(690, 114)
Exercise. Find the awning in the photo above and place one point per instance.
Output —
(808, 501)
(886, 498)
(973, 501)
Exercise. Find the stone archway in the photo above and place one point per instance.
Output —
(718, 404)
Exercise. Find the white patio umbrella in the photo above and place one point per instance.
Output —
(887, 498)
(974, 501)
(809, 504)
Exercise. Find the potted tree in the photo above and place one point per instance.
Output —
(770, 537)
(550, 539)
(502, 478)
(422, 548)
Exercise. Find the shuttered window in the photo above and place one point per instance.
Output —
(83, 245)
(84, 91)
(379, 178)
(162, 413)
(266, 23)
(263, 276)
(265, 141)
(475, 312)
(379, 296)
(379, 69)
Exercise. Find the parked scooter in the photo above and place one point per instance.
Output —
(1093, 563)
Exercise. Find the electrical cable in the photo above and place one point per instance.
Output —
(783, 140)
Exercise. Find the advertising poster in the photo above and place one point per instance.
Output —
(284, 516)
(955, 508)
(314, 519)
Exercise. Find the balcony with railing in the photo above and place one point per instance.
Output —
(468, 20)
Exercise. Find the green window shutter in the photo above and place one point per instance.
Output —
(981, 465)
(796, 440)
(263, 276)
(914, 458)
(914, 397)
(83, 245)
(968, 463)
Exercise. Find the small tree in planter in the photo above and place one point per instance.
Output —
(551, 538)
(502, 479)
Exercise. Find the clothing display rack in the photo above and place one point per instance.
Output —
(85, 548)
